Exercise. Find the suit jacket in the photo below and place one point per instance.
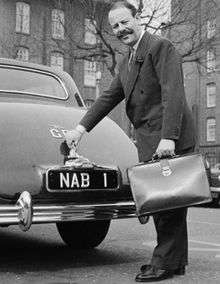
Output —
(153, 90)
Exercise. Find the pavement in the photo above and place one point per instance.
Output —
(39, 256)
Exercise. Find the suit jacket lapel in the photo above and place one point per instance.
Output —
(135, 67)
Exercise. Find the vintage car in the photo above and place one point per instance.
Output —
(37, 184)
(215, 184)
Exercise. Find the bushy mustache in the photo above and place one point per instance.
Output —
(120, 34)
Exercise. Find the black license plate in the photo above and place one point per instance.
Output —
(61, 180)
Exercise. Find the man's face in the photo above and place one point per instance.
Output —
(126, 27)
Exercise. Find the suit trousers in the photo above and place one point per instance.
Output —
(171, 251)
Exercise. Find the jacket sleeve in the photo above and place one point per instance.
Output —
(168, 67)
(103, 105)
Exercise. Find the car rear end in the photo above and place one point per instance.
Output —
(36, 184)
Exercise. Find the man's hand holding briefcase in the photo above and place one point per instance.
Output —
(169, 183)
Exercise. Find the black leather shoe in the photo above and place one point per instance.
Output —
(145, 267)
(154, 274)
(179, 271)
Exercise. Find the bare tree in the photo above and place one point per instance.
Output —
(105, 49)
(185, 22)
(192, 28)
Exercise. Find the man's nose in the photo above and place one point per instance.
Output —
(120, 27)
(120, 30)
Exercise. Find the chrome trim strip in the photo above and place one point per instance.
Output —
(40, 72)
(32, 94)
(215, 189)
(9, 215)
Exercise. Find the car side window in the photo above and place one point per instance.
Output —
(20, 80)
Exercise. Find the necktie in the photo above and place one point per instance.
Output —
(131, 58)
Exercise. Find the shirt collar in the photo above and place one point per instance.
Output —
(135, 46)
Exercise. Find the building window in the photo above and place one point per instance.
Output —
(169, 11)
(210, 61)
(22, 54)
(90, 32)
(211, 129)
(22, 18)
(89, 73)
(211, 28)
(56, 60)
(57, 24)
(211, 94)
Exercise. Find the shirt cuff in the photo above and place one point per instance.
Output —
(80, 128)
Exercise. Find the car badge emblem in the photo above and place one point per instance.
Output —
(57, 131)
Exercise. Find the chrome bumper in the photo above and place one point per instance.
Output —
(25, 214)
(215, 189)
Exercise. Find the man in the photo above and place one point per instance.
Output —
(151, 82)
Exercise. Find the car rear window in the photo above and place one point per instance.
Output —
(19, 80)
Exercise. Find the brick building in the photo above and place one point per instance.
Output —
(202, 81)
(47, 32)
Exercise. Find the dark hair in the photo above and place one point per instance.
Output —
(124, 3)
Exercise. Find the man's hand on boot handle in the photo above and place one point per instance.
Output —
(73, 136)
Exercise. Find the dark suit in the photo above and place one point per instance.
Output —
(155, 104)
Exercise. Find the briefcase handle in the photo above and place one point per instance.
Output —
(156, 158)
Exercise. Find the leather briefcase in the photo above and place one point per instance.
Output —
(169, 183)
